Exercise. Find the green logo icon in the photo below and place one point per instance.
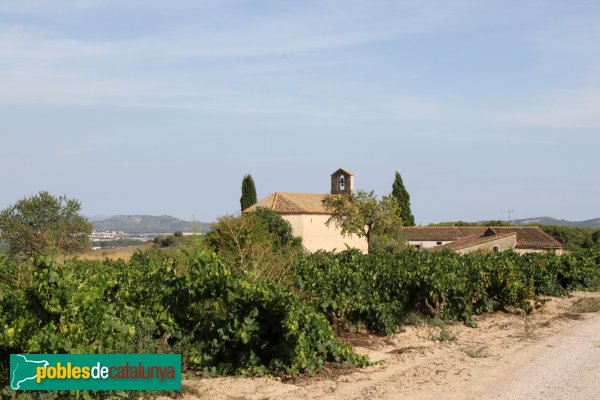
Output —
(23, 370)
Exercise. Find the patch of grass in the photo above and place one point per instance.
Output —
(408, 349)
(477, 351)
(570, 315)
(416, 319)
(587, 305)
(528, 328)
(123, 253)
(441, 333)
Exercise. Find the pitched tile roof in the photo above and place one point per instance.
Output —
(472, 240)
(343, 170)
(528, 237)
(292, 203)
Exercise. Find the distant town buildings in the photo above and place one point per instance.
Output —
(98, 236)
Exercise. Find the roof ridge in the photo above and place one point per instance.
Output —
(310, 194)
(471, 226)
(343, 170)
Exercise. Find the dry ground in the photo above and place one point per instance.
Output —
(116, 253)
(422, 362)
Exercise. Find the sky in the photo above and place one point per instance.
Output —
(154, 107)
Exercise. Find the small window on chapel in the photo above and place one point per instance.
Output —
(495, 249)
(342, 183)
(439, 243)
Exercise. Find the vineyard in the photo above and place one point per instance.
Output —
(378, 290)
(224, 321)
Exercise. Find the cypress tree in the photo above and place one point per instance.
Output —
(400, 193)
(248, 192)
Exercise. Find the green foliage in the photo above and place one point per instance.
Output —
(244, 241)
(456, 223)
(574, 238)
(495, 222)
(248, 328)
(362, 214)
(116, 243)
(260, 243)
(279, 228)
(42, 224)
(401, 194)
(442, 334)
(175, 244)
(194, 304)
(248, 192)
(378, 290)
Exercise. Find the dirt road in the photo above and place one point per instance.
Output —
(553, 354)
(565, 367)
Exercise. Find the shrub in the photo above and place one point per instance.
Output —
(260, 244)
(377, 290)
(44, 224)
(222, 322)
(278, 227)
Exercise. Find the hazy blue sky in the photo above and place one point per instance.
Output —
(161, 107)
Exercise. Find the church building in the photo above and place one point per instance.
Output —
(307, 215)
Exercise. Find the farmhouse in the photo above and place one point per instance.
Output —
(307, 215)
(466, 239)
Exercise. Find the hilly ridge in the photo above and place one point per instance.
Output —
(169, 224)
(148, 224)
(590, 223)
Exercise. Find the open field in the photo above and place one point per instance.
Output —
(123, 253)
(425, 361)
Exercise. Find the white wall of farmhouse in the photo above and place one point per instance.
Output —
(558, 252)
(427, 244)
(316, 236)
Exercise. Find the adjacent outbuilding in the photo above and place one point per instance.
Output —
(466, 239)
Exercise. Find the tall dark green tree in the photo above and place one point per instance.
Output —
(248, 192)
(400, 193)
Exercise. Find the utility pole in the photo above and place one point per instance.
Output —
(510, 212)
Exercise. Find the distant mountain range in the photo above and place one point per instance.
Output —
(148, 224)
(590, 223)
(168, 224)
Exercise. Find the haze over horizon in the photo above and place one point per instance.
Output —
(159, 108)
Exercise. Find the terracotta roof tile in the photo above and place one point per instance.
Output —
(472, 240)
(292, 203)
(343, 170)
(528, 237)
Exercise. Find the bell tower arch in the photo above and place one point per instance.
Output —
(342, 182)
